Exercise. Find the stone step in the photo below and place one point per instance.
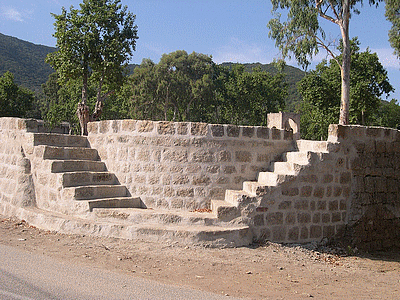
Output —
(115, 203)
(60, 140)
(66, 153)
(235, 197)
(297, 157)
(157, 216)
(314, 146)
(63, 166)
(84, 178)
(255, 188)
(224, 211)
(94, 192)
(286, 168)
(273, 179)
(224, 235)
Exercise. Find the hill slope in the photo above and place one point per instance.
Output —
(25, 60)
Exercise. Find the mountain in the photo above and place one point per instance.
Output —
(25, 60)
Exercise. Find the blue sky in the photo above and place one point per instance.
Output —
(229, 30)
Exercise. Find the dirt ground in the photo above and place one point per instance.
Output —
(270, 271)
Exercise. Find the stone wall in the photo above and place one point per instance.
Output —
(185, 165)
(16, 184)
(373, 156)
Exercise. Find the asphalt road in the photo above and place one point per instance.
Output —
(27, 276)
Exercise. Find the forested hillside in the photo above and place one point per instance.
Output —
(26, 61)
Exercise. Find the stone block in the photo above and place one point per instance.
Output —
(306, 191)
(315, 231)
(232, 130)
(336, 217)
(337, 191)
(224, 156)
(279, 233)
(301, 205)
(243, 156)
(164, 128)
(328, 231)
(304, 233)
(248, 131)
(144, 126)
(175, 155)
(285, 205)
(275, 218)
(290, 218)
(259, 220)
(180, 179)
(327, 178)
(182, 128)
(309, 178)
(223, 180)
(213, 169)
(201, 180)
(217, 130)
(203, 156)
(293, 234)
(276, 134)
(343, 205)
(316, 218)
(128, 125)
(185, 192)
(290, 191)
(304, 218)
(374, 132)
(229, 169)
(326, 218)
(345, 178)
(263, 132)
(333, 205)
(319, 192)
(199, 129)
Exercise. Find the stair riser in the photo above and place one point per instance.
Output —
(268, 178)
(87, 178)
(77, 165)
(60, 140)
(94, 192)
(315, 146)
(58, 153)
(297, 157)
(127, 202)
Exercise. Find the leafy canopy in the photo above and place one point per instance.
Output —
(393, 15)
(15, 101)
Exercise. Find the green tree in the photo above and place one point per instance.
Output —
(302, 35)
(393, 15)
(15, 101)
(320, 90)
(180, 87)
(389, 114)
(247, 97)
(94, 43)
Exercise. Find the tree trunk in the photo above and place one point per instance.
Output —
(83, 109)
(345, 70)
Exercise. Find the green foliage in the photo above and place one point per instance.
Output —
(25, 60)
(60, 102)
(321, 93)
(190, 87)
(246, 98)
(15, 101)
(393, 15)
(94, 44)
(389, 114)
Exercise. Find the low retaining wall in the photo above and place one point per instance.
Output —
(185, 165)
(373, 157)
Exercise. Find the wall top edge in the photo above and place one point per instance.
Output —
(338, 132)
(186, 129)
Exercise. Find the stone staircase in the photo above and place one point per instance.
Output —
(292, 164)
(87, 189)
(82, 179)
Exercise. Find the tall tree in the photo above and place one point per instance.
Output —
(393, 15)
(303, 35)
(94, 42)
(320, 90)
(15, 101)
